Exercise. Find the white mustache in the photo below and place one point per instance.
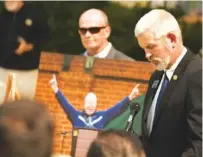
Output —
(155, 59)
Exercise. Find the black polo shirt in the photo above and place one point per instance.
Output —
(29, 23)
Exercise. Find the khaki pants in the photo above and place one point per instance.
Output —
(25, 82)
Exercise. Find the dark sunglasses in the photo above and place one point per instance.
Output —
(92, 30)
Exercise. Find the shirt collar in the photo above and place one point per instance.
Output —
(170, 71)
(103, 53)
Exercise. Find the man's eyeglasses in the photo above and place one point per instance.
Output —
(92, 30)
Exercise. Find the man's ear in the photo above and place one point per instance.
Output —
(107, 32)
(172, 37)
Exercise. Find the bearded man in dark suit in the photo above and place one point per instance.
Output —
(172, 117)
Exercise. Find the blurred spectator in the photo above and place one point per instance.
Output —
(23, 32)
(60, 155)
(94, 30)
(26, 130)
(114, 143)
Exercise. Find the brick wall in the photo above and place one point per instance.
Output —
(111, 80)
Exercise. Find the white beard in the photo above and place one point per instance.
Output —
(163, 64)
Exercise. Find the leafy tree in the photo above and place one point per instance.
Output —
(63, 19)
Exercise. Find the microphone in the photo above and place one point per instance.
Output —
(134, 109)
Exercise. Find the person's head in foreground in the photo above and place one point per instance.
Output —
(115, 143)
(159, 34)
(94, 30)
(13, 6)
(26, 130)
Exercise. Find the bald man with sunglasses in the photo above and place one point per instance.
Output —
(94, 30)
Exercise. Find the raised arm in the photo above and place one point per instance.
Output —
(122, 105)
(67, 107)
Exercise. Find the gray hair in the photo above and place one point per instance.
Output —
(159, 22)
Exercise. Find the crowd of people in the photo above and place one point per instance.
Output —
(172, 116)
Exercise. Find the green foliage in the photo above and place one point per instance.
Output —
(122, 20)
(63, 18)
(192, 36)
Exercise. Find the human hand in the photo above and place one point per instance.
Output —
(23, 47)
(134, 92)
(53, 83)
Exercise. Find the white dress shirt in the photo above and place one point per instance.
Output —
(169, 73)
(103, 53)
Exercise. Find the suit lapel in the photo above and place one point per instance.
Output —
(150, 95)
(111, 53)
(178, 73)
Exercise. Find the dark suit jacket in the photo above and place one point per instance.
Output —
(177, 129)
